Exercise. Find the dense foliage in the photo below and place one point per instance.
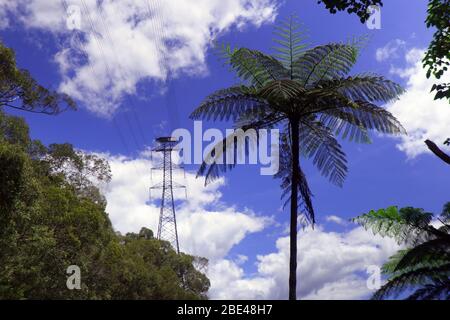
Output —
(359, 7)
(422, 270)
(19, 90)
(309, 95)
(52, 216)
(437, 58)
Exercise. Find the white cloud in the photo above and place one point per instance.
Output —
(390, 50)
(241, 259)
(330, 266)
(6, 6)
(421, 115)
(228, 281)
(348, 288)
(336, 220)
(124, 42)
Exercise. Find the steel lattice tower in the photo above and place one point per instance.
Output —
(167, 227)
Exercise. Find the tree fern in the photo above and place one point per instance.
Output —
(308, 95)
(424, 266)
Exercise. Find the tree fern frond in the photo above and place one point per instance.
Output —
(229, 103)
(217, 162)
(419, 276)
(427, 251)
(285, 174)
(259, 118)
(280, 91)
(256, 67)
(345, 125)
(324, 63)
(438, 290)
(317, 142)
(445, 214)
(239, 62)
(253, 66)
(407, 225)
(371, 88)
(354, 122)
(290, 43)
(391, 265)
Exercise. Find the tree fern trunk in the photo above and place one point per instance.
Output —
(294, 206)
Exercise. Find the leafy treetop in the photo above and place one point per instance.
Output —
(19, 90)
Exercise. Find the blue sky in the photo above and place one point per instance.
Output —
(380, 174)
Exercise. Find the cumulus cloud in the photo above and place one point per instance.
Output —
(228, 281)
(336, 220)
(390, 50)
(6, 6)
(421, 115)
(330, 266)
(120, 43)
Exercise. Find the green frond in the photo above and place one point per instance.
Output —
(407, 225)
(280, 91)
(317, 142)
(354, 121)
(438, 290)
(229, 103)
(391, 265)
(427, 252)
(224, 52)
(285, 175)
(445, 214)
(423, 267)
(397, 266)
(217, 162)
(345, 125)
(324, 63)
(370, 88)
(260, 118)
(418, 277)
(290, 43)
(253, 66)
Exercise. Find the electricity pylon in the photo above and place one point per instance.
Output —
(167, 227)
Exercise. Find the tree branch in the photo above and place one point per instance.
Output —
(438, 152)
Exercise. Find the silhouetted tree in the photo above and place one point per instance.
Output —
(19, 90)
(308, 94)
(359, 7)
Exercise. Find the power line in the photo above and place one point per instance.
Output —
(172, 110)
(123, 76)
(108, 69)
(78, 41)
